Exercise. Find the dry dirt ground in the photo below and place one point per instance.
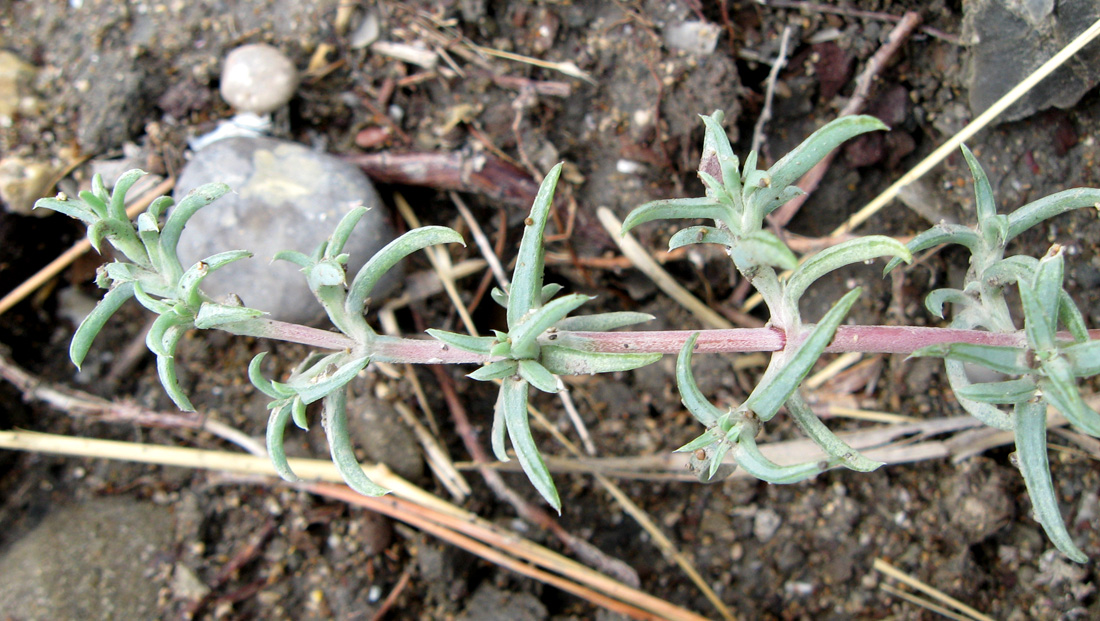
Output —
(146, 74)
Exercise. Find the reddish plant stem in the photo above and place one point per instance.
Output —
(868, 339)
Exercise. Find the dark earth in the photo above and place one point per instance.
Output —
(100, 80)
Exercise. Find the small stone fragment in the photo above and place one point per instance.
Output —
(258, 78)
(286, 197)
(16, 92)
(693, 37)
(22, 182)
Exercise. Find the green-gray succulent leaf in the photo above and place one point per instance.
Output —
(371, 272)
(1049, 206)
(465, 342)
(936, 299)
(212, 315)
(166, 369)
(702, 235)
(805, 156)
(1083, 358)
(495, 370)
(339, 442)
(1010, 360)
(293, 256)
(768, 397)
(116, 209)
(942, 233)
(525, 331)
(987, 413)
(264, 385)
(1038, 325)
(499, 296)
(567, 361)
(94, 322)
(1008, 392)
(276, 430)
(603, 322)
(318, 386)
(1031, 455)
(173, 227)
(343, 231)
(537, 376)
(1059, 387)
(702, 442)
(763, 248)
(836, 448)
(549, 291)
(750, 458)
(846, 253)
(525, 293)
(983, 192)
(1071, 317)
(527, 452)
(680, 208)
(77, 209)
(693, 399)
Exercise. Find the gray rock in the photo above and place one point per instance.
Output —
(258, 78)
(285, 197)
(1013, 37)
(492, 604)
(89, 561)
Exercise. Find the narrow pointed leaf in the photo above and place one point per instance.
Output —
(527, 452)
(1060, 389)
(499, 297)
(276, 430)
(750, 458)
(156, 338)
(298, 413)
(74, 208)
(1038, 325)
(166, 370)
(1031, 454)
(525, 293)
(567, 361)
(983, 193)
(828, 441)
(1083, 358)
(766, 399)
(701, 235)
(537, 376)
(1072, 318)
(767, 249)
(293, 256)
(1010, 360)
(160, 307)
(937, 298)
(264, 385)
(549, 291)
(852, 251)
(339, 442)
(323, 385)
(465, 342)
(942, 233)
(693, 399)
(708, 438)
(717, 140)
(1010, 271)
(195, 200)
(99, 189)
(94, 322)
(603, 322)
(716, 190)
(117, 208)
(121, 232)
(986, 413)
(158, 208)
(674, 208)
(528, 328)
(369, 275)
(1048, 283)
(805, 156)
(1000, 393)
(343, 231)
(1049, 206)
(211, 315)
(507, 397)
(495, 370)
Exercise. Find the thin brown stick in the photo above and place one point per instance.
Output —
(855, 105)
(79, 248)
(769, 91)
(391, 599)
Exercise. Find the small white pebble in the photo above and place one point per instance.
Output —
(629, 167)
(258, 78)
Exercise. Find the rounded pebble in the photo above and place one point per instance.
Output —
(285, 197)
(258, 78)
